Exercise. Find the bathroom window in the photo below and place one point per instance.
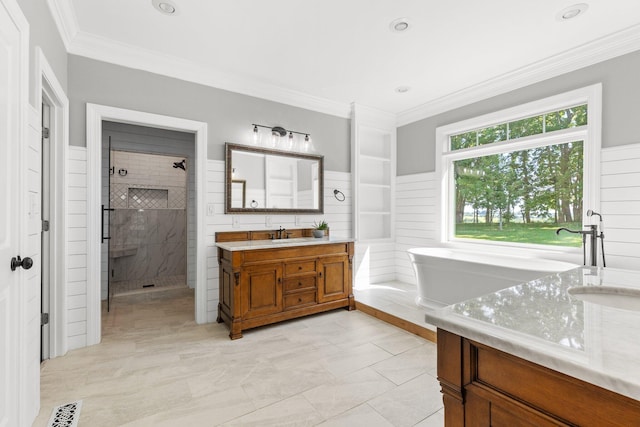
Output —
(511, 178)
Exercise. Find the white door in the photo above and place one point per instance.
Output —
(12, 138)
(281, 182)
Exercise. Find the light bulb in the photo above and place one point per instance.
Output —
(308, 144)
(290, 142)
(255, 135)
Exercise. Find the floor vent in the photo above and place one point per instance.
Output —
(66, 415)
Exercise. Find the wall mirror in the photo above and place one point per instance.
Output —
(260, 180)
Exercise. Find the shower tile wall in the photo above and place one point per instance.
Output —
(148, 225)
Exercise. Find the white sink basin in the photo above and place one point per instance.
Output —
(610, 296)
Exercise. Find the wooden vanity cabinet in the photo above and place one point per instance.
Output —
(263, 286)
(483, 386)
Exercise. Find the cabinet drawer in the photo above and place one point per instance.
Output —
(298, 283)
(299, 299)
(299, 267)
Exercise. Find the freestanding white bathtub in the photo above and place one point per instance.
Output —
(447, 276)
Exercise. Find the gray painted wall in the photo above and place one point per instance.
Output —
(620, 98)
(228, 114)
(44, 33)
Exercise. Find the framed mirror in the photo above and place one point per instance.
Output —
(260, 180)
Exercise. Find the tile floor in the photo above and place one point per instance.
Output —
(156, 367)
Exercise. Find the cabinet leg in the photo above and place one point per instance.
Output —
(235, 330)
(219, 318)
(352, 303)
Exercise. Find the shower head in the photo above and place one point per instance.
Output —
(180, 165)
(591, 213)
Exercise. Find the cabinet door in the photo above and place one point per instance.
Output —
(333, 278)
(493, 409)
(261, 290)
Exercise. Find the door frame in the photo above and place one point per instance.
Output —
(96, 114)
(49, 89)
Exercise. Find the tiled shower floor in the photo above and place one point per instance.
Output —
(126, 287)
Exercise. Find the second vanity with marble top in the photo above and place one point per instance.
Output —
(560, 350)
(265, 280)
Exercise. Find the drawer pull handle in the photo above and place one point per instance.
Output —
(299, 283)
(320, 274)
(299, 299)
(299, 267)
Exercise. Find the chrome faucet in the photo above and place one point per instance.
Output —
(593, 234)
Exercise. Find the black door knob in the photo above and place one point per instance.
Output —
(16, 262)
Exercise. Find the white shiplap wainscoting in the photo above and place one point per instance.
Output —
(337, 214)
(76, 316)
(416, 226)
(620, 205)
(373, 263)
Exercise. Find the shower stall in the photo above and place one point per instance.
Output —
(147, 215)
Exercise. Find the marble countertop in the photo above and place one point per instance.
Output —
(279, 243)
(541, 322)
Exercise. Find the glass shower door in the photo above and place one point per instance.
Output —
(106, 226)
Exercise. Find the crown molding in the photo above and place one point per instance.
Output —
(102, 49)
(372, 116)
(608, 47)
(64, 16)
(108, 50)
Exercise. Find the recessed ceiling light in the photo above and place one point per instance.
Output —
(572, 11)
(164, 6)
(403, 89)
(399, 25)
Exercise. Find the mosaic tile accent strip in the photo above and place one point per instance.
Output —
(66, 415)
(177, 198)
(119, 196)
(147, 198)
(128, 196)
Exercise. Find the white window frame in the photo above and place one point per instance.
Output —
(591, 135)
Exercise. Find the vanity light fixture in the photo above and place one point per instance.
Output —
(277, 138)
(164, 6)
(572, 11)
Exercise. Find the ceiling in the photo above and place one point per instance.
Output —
(326, 54)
